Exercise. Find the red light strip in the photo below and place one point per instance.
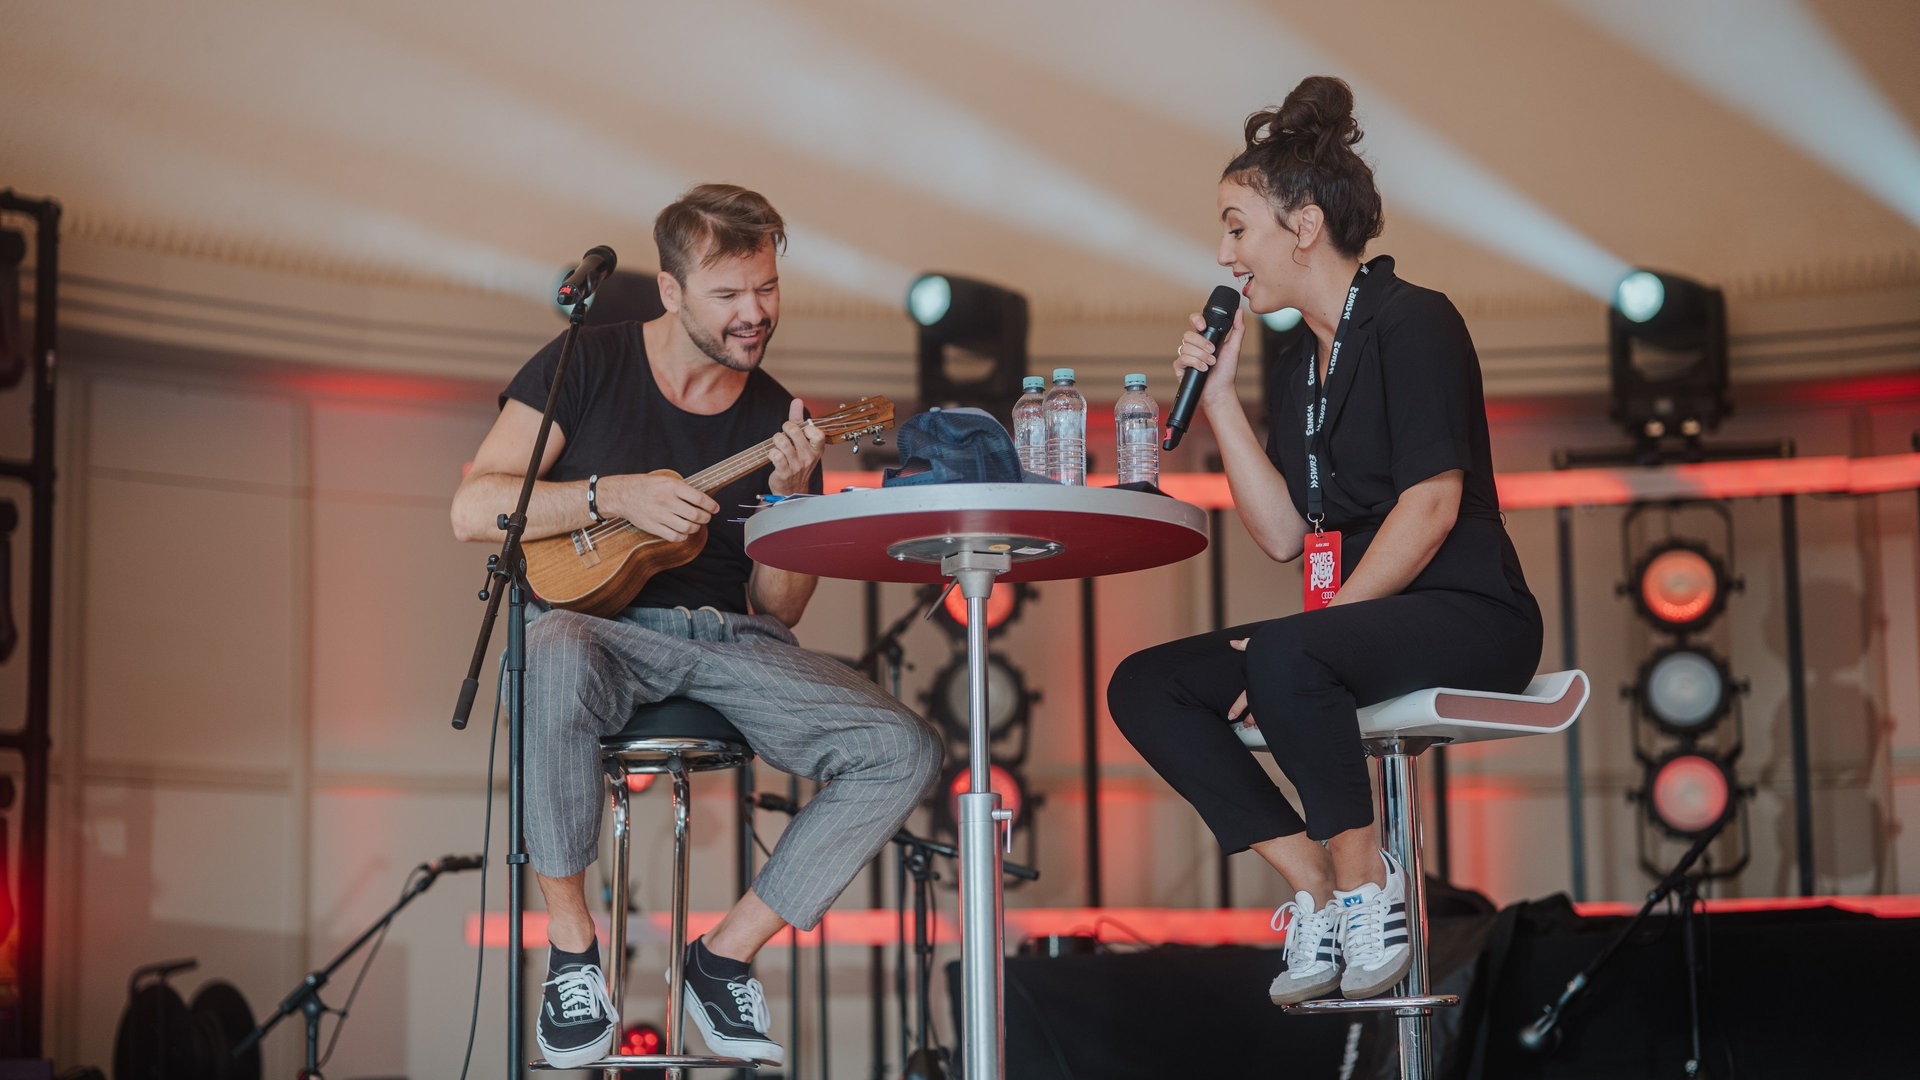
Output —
(1600, 487)
(1155, 926)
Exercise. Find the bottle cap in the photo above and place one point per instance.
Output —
(1136, 382)
(1032, 383)
(1063, 374)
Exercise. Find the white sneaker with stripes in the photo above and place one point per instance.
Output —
(1373, 934)
(1312, 950)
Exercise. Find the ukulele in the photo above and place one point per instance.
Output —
(600, 569)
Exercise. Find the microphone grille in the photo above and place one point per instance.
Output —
(1221, 306)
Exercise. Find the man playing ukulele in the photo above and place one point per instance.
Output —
(680, 393)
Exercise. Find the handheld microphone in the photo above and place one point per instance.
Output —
(594, 267)
(1219, 318)
(453, 864)
(767, 800)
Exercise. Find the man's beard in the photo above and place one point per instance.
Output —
(716, 346)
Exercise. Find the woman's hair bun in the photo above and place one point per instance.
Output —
(1303, 152)
(1316, 118)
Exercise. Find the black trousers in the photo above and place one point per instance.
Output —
(1305, 675)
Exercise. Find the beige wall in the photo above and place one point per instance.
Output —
(262, 622)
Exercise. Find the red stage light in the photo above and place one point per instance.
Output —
(639, 782)
(642, 1040)
(1689, 793)
(1681, 586)
(1013, 794)
(1001, 603)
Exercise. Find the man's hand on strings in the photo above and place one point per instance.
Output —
(795, 451)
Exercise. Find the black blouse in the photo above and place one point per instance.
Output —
(1404, 405)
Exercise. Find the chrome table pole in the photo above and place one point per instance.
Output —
(982, 950)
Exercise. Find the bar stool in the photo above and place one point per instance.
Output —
(677, 736)
(1395, 732)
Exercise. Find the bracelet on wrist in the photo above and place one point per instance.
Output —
(593, 499)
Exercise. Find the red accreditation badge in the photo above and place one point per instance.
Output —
(1322, 569)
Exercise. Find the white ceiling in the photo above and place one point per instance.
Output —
(1528, 149)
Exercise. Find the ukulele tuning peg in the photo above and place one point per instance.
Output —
(879, 440)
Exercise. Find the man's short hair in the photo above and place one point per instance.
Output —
(713, 222)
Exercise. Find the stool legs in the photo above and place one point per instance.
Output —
(675, 1021)
(617, 917)
(677, 962)
(1399, 817)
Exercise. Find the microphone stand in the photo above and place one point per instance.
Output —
(1543, 1035)
(916, 860)
(507, 571)
(306, 996)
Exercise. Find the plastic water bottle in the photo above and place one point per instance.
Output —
(1066, 412)
(1136, 433)
(1030, 427)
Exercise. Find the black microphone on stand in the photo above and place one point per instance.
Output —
(1219, 318)
(767, 800)
(453, 864)
(594, 267)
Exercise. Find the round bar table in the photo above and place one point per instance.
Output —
(971, 534)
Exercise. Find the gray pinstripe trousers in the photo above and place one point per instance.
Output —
(803, 713)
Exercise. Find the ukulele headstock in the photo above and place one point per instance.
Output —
(851, 423)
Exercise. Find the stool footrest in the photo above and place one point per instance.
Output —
(654, 1061)
(1403, 1006)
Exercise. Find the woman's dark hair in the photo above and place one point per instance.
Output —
(1302, 152)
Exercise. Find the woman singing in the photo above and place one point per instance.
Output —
(1378, 467)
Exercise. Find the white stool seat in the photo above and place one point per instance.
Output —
(1396, 732)
(1550, 703)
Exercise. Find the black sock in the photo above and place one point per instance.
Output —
(560, 957)
(712, 963)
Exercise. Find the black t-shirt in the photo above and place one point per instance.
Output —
(616, 420)
(1404, 405)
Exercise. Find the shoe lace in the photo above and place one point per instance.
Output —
(583, 993)
(1365, 938)
(751, 1001)
(1304, 929)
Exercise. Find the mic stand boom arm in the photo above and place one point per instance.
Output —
(305, 998)
(1541, 1034)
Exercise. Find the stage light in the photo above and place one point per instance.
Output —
(1004, 602)
(1667, 356)
(641, 1040)
(1685, 690)
(929, 298)
(1280, 333)
(639, 782)
(1281, 321)
(1640, 295)
(987, 324)
(1000, 779)
(1680, 585)
(1008, 702)
(1688, 793)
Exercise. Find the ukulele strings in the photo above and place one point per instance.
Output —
(710, 479)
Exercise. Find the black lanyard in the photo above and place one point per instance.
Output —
(1317, 419)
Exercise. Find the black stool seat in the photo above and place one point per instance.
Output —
(697, 734)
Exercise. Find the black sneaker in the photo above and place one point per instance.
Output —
(577, 1024)
(728, 1006)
